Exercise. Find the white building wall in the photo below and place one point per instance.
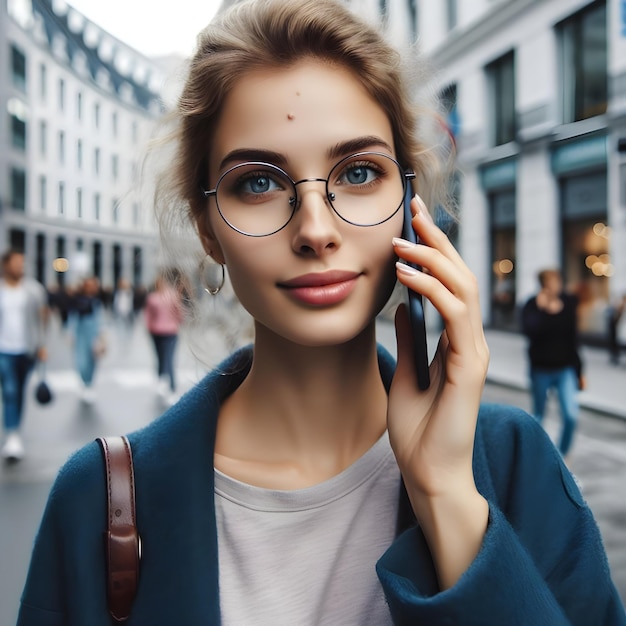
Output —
(134, 226)
(474, 230)
(486, 30)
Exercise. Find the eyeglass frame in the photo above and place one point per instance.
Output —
(405, 175)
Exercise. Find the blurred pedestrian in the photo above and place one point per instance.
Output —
(164, 313)
(23, 323)
(123, 307)
(549, 321)
(86, 323)
(59, 298)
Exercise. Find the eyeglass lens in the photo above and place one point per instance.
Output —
(259, 198)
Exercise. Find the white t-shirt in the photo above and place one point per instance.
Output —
(13, 331)
(307, 557)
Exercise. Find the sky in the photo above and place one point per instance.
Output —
(152, 28)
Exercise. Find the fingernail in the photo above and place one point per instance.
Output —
(420, 204)
(423, 209)
(401, 243)
(406, 269)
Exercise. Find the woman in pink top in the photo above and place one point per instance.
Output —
(164, 315)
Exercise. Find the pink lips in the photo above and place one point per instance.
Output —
(322, 289)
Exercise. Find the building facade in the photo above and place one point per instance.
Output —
(536, 91)
(78, 106)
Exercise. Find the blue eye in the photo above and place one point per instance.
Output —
(258, 183)
(360, 174)
(357, 175)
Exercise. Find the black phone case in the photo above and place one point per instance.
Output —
(415, 304)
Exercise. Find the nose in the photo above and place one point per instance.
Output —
(315, 221)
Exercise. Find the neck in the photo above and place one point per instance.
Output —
(12, 281)
(316, 409)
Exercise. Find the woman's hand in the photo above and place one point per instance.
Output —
(432, 431)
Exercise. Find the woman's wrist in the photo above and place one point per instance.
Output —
(454, 524)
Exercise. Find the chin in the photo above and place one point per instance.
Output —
(321, 331)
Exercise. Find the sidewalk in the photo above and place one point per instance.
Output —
(508, 365)
(606, 383)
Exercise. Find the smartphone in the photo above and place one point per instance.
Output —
(415, 304)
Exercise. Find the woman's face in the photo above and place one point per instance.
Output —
(319, 280)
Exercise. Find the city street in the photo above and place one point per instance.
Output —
(127, 399)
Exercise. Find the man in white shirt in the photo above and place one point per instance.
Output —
(23, 318)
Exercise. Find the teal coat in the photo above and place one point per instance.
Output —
(542, 560)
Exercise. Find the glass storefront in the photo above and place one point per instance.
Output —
(503, 310)
(499, 182)
(586, 247)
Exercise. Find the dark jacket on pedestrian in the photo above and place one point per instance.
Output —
(541, 562)
(553, 337)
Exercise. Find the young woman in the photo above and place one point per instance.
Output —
(308, 480)
(164, 315)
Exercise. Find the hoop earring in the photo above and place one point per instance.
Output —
(206, 284)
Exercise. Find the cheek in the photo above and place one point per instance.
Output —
(251, 264)
(382, 259)
(380, 246)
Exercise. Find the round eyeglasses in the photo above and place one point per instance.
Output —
(259, 199)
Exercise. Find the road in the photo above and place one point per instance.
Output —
(126, 399)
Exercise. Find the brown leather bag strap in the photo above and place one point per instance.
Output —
(122, 541)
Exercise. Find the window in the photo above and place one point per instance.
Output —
(61, 207)
(96, 160)
(17, 119)
(413, 18)
(448, 99)
(583, 50)
(40, 258)
(96, 207)
(43, 82)
(501, 75)
(79, 105)
(18, 69)
(134, 132)
(135, 214)
(18, 189)
(114, 166)
(114, 124)
(61, 147)
(18, 133)
(79, 154)
(43, 193)
(43, 138)
(61, 94)
(451, 13)
(79, 203)
(96, 115)
(383, 9)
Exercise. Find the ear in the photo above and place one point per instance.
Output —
(209, 241)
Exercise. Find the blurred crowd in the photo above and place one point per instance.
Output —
(85, 311)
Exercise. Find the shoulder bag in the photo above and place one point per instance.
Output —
(122, 541)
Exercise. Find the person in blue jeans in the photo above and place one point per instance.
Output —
(549, 322)
(23, 319)
(86, 324)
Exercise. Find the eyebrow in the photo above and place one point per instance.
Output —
(359, 144)
(343, 148)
